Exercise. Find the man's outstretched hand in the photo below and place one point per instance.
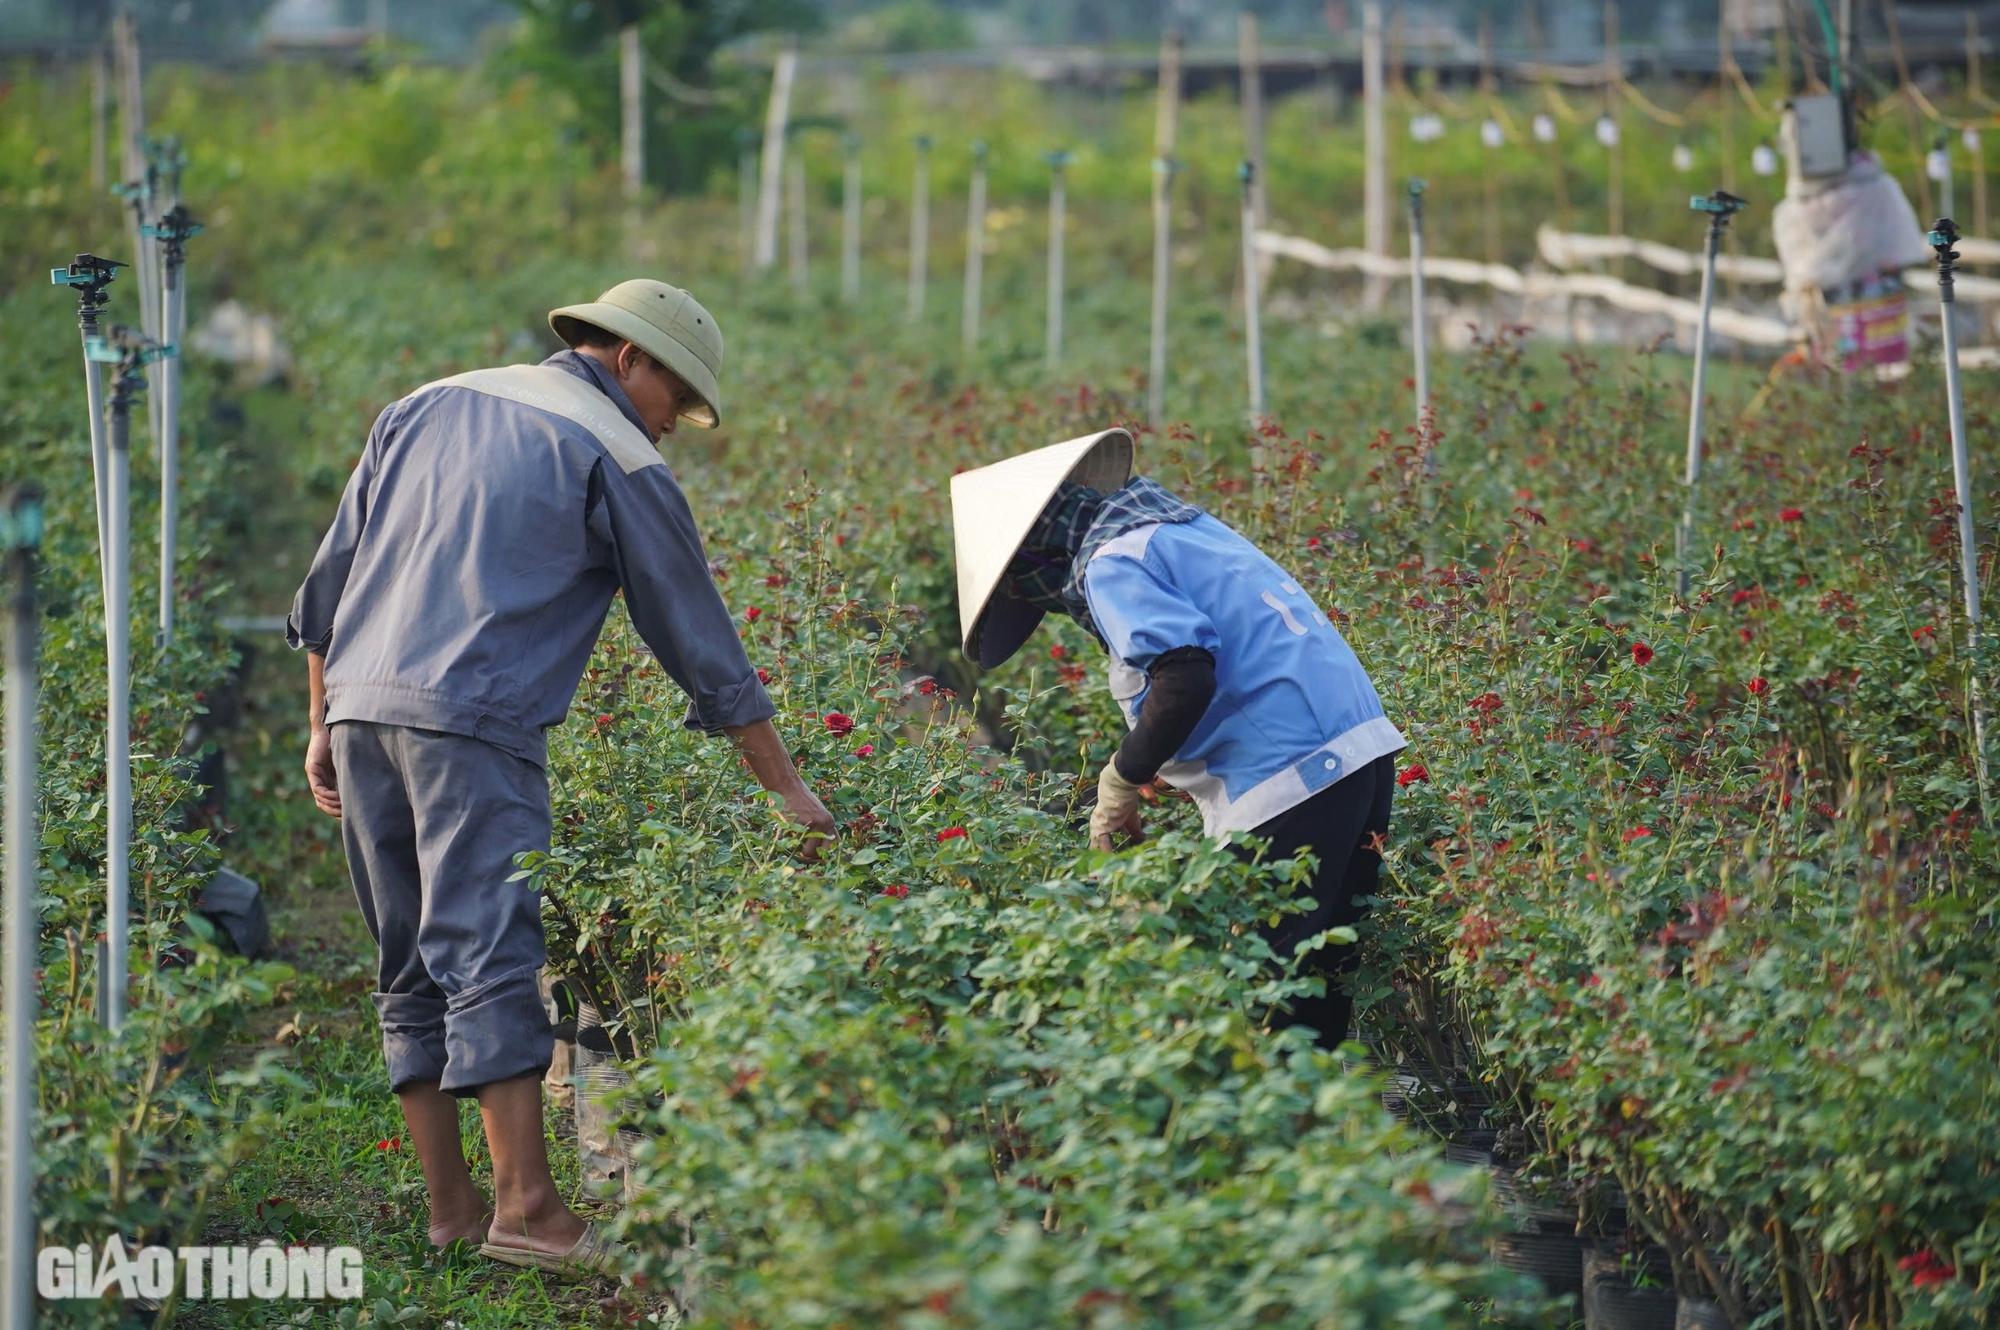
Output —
(771, 763)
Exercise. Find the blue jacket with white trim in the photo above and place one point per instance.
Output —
(1293, 710)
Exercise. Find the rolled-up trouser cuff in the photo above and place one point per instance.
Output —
(413, 1037)
(497, 1031)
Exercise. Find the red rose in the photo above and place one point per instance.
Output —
(1312, 543)
(838, 723)
(1409, 383)
(604, 721)
(898, 891)
(763, 675)
(1055, 653)
(951, 833)
(1412, 774)
(1641, 654)
(776, 579)
(1759, 687)
(1536, 406)
(1746, 634)
(1637, 832)
(866, 750)
(753, 614)
(1791, 515)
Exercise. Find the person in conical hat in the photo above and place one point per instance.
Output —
(1235, 686)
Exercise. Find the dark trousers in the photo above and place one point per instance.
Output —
(1339, 826)
(432, 823)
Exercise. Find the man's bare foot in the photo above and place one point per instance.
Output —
(446, 1229)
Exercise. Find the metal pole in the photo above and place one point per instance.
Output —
(920, 228)
(975, 252)
(1253, 332)
(91, 275)
(1419, 336)
(130, 352)
(850, 220)
(1944, 234)
(1250, 79)
(173, 232)
(20, 535)
(1719, 206)
(1058, 208)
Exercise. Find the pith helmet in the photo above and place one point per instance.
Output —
(992, 511)
(667, 324)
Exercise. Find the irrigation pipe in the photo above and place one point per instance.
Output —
(1941, 237)
(20, 536)
(1756, 329)
(1720, 207)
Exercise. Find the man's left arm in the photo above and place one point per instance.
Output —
(657, 554)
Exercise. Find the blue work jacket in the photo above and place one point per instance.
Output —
(1293, 710)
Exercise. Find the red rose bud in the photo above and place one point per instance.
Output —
(1636, 832)
(838, 723)
(898, 891)
(951, 833)
(1791, 515)
(763, 675)
(866, 750)
(1412, 774)
(1759, 686)
(753, 614)
(1641, 654)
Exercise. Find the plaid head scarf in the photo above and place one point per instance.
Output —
(1047, 570)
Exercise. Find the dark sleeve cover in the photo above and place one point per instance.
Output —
(310, 624)
(1181, 684)
(657, 553)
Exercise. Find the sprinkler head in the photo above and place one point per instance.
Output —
(1417, 186)
(1247, 172)
(127, 348)
(1943, 235)
(89, 273)
(1720, 203)
(1058, 159)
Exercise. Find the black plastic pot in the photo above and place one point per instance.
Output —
(1613, 1301)
(1699, 1314)
(1555, 1259)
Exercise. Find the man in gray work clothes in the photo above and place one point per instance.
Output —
(448, 617)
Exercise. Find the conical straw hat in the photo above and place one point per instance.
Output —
(992, 510)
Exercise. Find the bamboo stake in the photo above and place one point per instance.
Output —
(777, 114)
(1490, 210)
(1419, 337)
(1910, 113)
(920, 228)
(795, 189)
(1058, 209)
(1725, 65)
(20, 536)
(1375, 165)
(1250, 75)
(1614, 187)
(850, 220)
(631, 112)
(746, 197)
(1165, 123)
(1944, 234)
(975, 252)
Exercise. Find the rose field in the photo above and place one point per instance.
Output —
(1677, 997)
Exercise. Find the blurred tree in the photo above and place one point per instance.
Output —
(693, 108)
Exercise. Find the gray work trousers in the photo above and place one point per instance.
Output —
(432, 823)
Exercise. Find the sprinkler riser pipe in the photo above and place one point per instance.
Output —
(1156, 362)
(1253, 330)
(117, 721)
(23, 933)
(170, 460)
(1968, 552)
(1684, 542)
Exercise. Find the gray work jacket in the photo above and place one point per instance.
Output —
(474, 555)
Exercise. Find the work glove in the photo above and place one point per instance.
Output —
(1117, 809)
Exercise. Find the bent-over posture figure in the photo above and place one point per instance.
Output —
(448, 617)
(1235, 686)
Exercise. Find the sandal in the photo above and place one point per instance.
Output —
(593, 1257)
